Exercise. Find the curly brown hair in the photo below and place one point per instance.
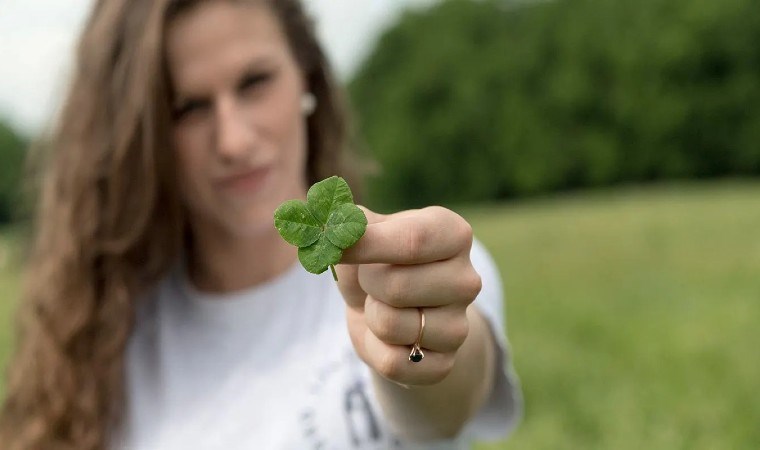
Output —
(108, 219)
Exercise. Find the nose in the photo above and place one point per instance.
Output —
(234, 136)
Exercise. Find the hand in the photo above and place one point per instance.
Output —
(405, 261)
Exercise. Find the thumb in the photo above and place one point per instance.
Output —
(348, 274)
(372, 217)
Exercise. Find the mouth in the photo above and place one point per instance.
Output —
(250, 180)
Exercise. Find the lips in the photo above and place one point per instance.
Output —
(244, 181)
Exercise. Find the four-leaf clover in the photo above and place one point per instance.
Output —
(322, 227)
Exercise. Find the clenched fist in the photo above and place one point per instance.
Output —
(406, 261)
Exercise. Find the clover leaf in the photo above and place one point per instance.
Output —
(323, 226)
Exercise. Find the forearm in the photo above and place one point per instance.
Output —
(441, 410)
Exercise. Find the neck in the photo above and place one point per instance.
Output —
(218, 262)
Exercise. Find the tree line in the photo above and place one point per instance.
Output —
(493, 99)
(12, 153)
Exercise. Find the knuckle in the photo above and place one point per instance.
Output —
(465, 232)
(459, 330)
(398, 286)
(414, 239)
(461, 227)
(470, 285)
(386, 325)
(476, 284)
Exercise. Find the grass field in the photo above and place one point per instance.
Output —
(633, 316)
(9, 287)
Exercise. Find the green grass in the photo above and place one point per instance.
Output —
(9, 288)
(633, 315)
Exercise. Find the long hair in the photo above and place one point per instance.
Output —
(108, 222)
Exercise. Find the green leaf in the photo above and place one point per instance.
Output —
(296, 224)
(317, 257)
(324, 226)
(326, 195)
(346, 224)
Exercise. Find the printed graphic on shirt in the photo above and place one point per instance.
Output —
(338, 414)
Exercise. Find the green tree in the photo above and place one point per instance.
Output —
(12, 154)
(474, 100)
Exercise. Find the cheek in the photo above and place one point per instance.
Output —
(292, 136)
(190, 165)
(288, 123)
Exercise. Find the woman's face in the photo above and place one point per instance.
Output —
(239, 131)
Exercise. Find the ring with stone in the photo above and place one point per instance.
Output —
(416, 354)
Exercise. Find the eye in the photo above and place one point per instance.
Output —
(254, 80)
(189, 107)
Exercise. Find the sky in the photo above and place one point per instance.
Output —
(37, 39)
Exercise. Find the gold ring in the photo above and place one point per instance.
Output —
(416, 354)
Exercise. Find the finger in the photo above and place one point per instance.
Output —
(428, 235)
(445, 330)
(348, 284)
(392, 362)
(440, 283)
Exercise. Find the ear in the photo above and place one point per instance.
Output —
(308, 103)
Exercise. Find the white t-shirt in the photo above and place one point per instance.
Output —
(273, 367)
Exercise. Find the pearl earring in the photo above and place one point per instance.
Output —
(308, 103)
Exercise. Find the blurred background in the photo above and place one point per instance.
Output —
(607, 152)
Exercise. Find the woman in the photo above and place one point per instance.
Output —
(161, 308)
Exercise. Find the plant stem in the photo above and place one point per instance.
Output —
(335, 275)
